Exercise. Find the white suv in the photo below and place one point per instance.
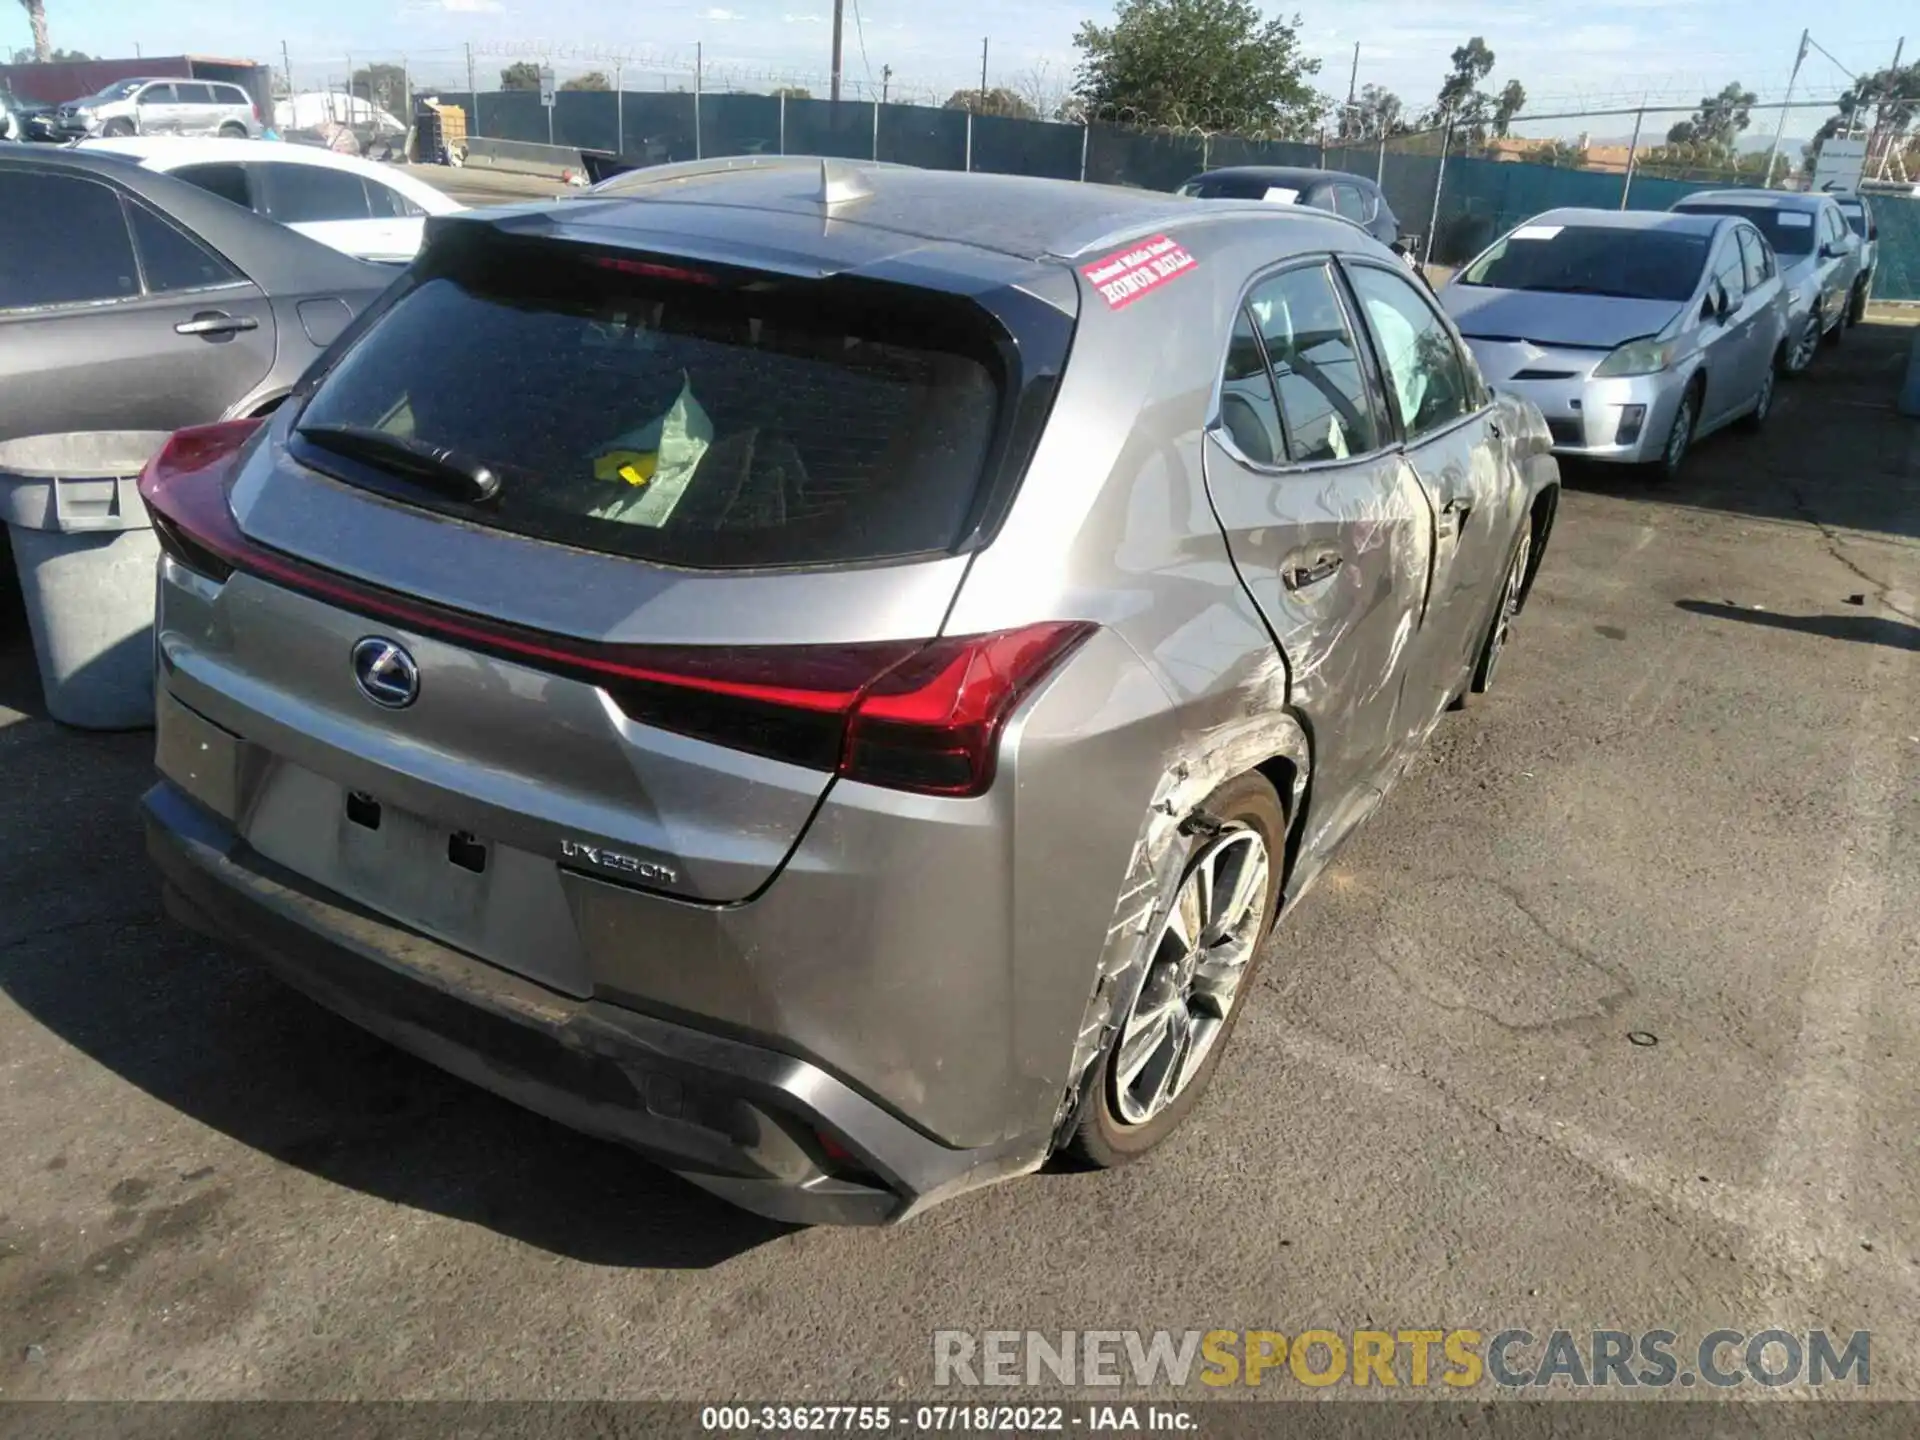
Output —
(162, 107)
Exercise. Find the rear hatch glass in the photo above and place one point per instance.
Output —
(690, 418)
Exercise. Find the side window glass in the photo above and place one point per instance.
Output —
(173, 260)
(388, 203)
(229, 182)
(302, 194)
(65, 242)
(1347, 200)
(156, 95)
(1317, 375)
(1729, 273)
(193, 94)
(1753, 258)
(1430, 380)
(1247, 409)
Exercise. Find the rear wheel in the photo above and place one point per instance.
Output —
(1501, 630)
(117, 129)
(1199, 970)
(233, 130)
(1857, 305)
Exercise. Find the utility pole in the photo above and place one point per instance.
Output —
(286, 69)
(1887, 154)
(1353, 90)
(1633, 152)
(1781, 128)
(886, 82)
(699, 82)
(983, 73)
(839, 17)
(473, 95)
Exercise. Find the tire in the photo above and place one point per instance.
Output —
(1121, 1116)
(118, 128)
(1686, 420)
(1803, 347)
(1755, 419)
(1839, 330)
(1857, 303)
(233, 131)
(1500, 629)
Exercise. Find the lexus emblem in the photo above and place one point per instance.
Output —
(385, 673)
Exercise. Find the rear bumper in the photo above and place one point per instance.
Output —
(737, 1119)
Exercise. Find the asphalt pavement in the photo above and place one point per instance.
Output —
(1610, 1018)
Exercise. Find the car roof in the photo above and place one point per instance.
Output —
(1282, 175)
(279, 260)
(1757, 199)
(1017, 216)
(169, 152)
(1633, 220)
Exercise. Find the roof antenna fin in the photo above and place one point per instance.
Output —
(840, 184)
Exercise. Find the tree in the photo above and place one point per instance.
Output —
(1715, 127)
(37, 20)
(1213, 63)
(58, 57)
(998, 101)
(380, 84)
(1886, 102)
(1512, 101)
(1558, 152)
(1472, 63)
(793, 92)
(1377, 114)
(1469, 109)
(1045, 90)
(521, 75)
(592, 80)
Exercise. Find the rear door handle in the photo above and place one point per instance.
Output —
(1300, 577)
(216, 322)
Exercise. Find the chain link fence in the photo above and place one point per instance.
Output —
(1452, 188)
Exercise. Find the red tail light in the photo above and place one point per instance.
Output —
(186, 493)
(920, 715)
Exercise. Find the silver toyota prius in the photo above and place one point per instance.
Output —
(1637, 333)
(829, 674)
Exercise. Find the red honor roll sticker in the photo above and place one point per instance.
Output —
(1124, 277)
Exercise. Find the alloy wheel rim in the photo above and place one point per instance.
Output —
(1194, 973)
(1765, 405)
(1509, 604)
(1682, 432)
(1809, 342)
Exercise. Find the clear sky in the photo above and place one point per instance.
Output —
(1569, 56)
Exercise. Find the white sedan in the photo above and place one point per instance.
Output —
(370, 211)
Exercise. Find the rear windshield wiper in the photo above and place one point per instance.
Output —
(436, 466)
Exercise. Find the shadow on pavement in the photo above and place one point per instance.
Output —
(1866, 629)
(85, 951)
(1836, 451)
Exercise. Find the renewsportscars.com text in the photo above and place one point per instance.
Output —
(1402, 1359)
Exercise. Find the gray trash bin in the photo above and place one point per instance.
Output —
(86, 555)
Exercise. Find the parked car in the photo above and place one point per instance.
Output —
(915, 697)
(162, 107)
(1819, 259)
(375, 212)
(1860, 218)
(1354, 196)
(1636, 333)
(21, 119)
(134, 301)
